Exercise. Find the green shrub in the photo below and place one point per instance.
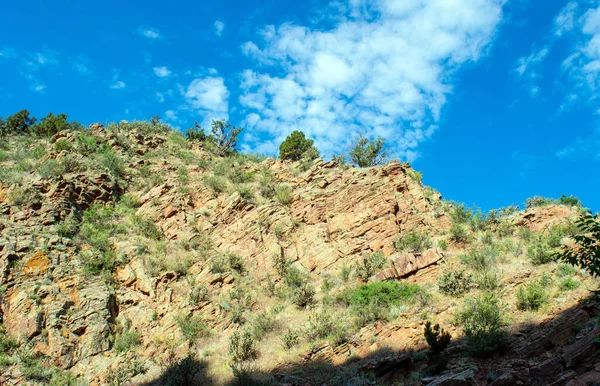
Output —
(283, 194)
(225, 137)
(532, 296)
(481, 319)
(386, 293)
(568, 284)
(216, 184)
(126, 340)
(196, 133)
(146, 227)
(238, 176)
(414, 241)
(192, 327)
(368, 265)
(52, 124)
(303, 295)
(438, 340)
(454, 283)
(113, 163)
(459, 233)
(242, 346)
(63, 144)
(245, 192)
(565, 270)
(487, 280)
(319, 326)
(569, 201)
(49, 169)
(197, 294)
(540, 252)
(262, 324)
(480, 259)
(267, 187)
(289, 339)
(538, 201)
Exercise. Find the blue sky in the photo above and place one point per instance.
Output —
(494, 101)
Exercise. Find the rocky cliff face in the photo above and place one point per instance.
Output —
(139, 250)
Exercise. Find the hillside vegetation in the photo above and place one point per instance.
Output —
(134, 254)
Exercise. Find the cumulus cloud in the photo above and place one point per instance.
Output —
(208, 97)
(385, 67)
(162, 72)
(219, 27)
(150, 33)
(118, 85)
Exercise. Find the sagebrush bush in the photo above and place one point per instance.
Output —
(368, 265)
(455, 283)
(459, 233)
(127, 340)
(215, 183)
(192, 327)
(290, 339)
(385, 293)
(283, 194)
(480, 259)
(531, 296)
(242, 346)
(413, 241)
(481, 319)
(540, 252)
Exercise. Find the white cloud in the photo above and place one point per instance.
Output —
(162, 72)
(386, 67)
(208, 97)
(81, 64)
(150, 33)
(118, 85)
(171, 115)
(219, 27)
(39, 88)
(565, 20)
(527, 68)
(7, 52)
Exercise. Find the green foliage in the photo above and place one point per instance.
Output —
(192, 327)
(63, 145)
(569, 201)
(182, 372)
(215, 183)
(196, 133)
(414, 241)
(480, 259)
(7, 343)
(227, 262)
(294, 146)
(262, 324)
(455, 283)
(481, 319)
(289, 339)
(302, 292)
(540, 252)
(538, 201)
(146, 227)
(459, 233)
(18, 123)
(586, 251)
(242, 346)
(416, 176)
(113, 163)
(567, 284)
(532, 296)
(123, 374)
(438, 340)
(368, 265)
(52, 124)
(225, 136)
(127, 340)
(283, 194)
(365, 153)
(384, 293)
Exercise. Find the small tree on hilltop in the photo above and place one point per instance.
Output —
(196, 133)
(19, 123)
(225, 136)
(52, 124)
(365, 152)
(295, 146)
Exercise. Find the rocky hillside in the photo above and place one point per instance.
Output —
(130, 255)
